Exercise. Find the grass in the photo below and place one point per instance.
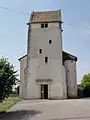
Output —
(8, 103)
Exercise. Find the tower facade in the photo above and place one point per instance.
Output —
(46, 76)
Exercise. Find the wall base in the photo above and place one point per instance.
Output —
(54, 98)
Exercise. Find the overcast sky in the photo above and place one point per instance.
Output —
(76, 26)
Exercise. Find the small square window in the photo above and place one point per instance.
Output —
(42, 25)
(46, 25)
(40, 51)
(71, 60)
(46, 59)
(50, 41)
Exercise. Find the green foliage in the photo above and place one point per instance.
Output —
(85, 83)
(8, 78)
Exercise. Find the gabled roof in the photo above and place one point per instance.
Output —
(46, 16)
(66, 56)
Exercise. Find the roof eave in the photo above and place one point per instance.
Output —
(44, 22)
(73, 57)
(22, 57)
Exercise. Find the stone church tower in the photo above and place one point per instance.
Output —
(45, 73)
(45, 67)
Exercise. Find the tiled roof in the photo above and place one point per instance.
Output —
(68, 56)
(46, 16)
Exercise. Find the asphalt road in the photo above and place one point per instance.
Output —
(77, 109)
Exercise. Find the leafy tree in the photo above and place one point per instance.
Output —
(8, 78)
(85, 83)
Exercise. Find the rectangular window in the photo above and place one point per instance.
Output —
(46, 59)
(42, 25)
(40, 51)
(50, 41)
(46, 25)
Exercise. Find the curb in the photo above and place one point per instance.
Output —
(4, 113)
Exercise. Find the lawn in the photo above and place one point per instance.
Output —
(8, 103)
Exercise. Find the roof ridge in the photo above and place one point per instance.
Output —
(46, 11)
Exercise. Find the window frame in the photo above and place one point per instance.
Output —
(46, 59)
(50, 41)
(40, 51)
(46, 25)
(42, 25)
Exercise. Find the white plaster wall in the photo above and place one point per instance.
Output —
(37, 68)
(53, 70)
(71, 77)
(22, 68)
(33, 89)
(40, 40)
(50, 25)
(58, 87)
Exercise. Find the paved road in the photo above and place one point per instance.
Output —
(78, 109)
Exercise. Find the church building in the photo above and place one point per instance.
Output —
(47, 72)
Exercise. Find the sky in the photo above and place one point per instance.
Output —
(76, 26)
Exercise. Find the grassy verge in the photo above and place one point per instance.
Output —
(8, 103)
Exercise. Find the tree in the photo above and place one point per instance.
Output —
(8, 78)
(85, 83)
